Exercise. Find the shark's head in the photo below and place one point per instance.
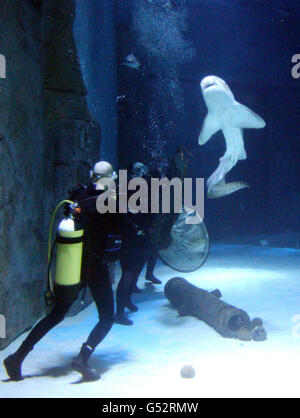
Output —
(215, 91)
(212, 83)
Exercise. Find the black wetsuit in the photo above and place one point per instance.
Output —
(137, 250)
(95, 274)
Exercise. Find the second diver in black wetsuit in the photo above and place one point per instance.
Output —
(137, 251)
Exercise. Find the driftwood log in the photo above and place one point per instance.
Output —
(227, 320)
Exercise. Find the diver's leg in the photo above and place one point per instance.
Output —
(102, 292)
(151, 263)
(101, 289)
(13, 363)
(136, 267)
(124, 293)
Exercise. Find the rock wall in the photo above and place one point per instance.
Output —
(95, 36)
(47, 141)
(22, 222)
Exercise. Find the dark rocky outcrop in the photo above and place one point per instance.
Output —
(48, 139)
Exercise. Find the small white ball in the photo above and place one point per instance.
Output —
(187, 372)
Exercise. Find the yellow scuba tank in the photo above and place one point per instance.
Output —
(69, 242)
(69, 253)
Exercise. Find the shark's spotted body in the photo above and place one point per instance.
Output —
(226, 114)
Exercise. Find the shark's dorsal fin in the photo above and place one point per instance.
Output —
(243, 117)
(211, 125)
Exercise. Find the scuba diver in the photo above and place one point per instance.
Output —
(94, 274)
(136, 252)
(139, 169)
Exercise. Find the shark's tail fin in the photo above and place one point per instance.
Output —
(216, 184)
(223, 189)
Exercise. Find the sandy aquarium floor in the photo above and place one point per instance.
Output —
(145, 360)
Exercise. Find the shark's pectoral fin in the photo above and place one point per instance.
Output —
(211, 125)
(243, 117)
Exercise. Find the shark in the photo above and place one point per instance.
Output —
(230, 116)
(131, 62)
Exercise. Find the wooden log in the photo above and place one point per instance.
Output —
(227, 320)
